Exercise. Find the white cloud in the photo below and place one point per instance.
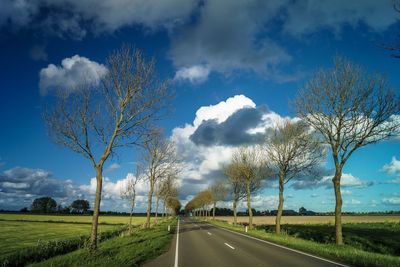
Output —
(221, 111)
(194, 74)
(112, 190)
(203, 164)
(391, 201)
(392, 168)
(351, 203)
(113, 167)
(74, 72)
(347, 180)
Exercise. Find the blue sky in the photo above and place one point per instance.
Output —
(241, 54)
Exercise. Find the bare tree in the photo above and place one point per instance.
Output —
(96, 120)
(237, 189)
(129, 193)
(218, 193)
(249, 167)
(350, 109)
(168, 189)
(159, 160)
(291, 150)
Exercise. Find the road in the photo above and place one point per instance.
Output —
(198, 244)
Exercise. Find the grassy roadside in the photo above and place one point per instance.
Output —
(344, 254)
(143, 245)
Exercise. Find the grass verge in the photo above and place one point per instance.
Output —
(130, 250)
(345, 254)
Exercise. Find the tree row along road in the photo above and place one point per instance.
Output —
(200, 244)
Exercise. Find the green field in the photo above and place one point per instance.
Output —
(133, 250)
(373, 237)
(103, 219)
(366, 244)
(15, 235)
(20, 230)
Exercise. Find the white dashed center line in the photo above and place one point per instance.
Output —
(229, 246)
(208, 233)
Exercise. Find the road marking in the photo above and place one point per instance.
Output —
(176, 248)
(229, 245)
(208, 233)
(273, 244)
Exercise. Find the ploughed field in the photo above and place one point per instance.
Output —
(24, 230)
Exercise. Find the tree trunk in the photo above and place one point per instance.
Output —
(280, 205)
(214, 210)
(96, 209)
(157, 208)
(249, 205)
(234, 212)
(130, 215)
(149, 202)
(338, 206)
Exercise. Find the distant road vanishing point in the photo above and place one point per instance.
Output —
(199, 244)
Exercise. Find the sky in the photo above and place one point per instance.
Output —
(235, 66)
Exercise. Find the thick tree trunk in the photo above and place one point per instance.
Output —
(96, 208)
(214, 210)
(234, 212)
(149, 202)
(249, 205)
(338, 206)
(280, 205)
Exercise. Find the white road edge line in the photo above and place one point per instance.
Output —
(273, 244)
(229, 245)
(177, 245)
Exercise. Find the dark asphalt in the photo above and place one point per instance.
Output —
(203, 245)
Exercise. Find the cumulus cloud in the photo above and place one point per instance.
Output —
(205, 154)
(18, 186)
(194, 74)
(112, 189)
(391, 201)
(347, 180)
(233, 131)
(392, 168)
(74, 72)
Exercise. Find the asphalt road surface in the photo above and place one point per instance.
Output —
(198, 244)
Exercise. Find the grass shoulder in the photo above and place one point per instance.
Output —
(344, 254)
(128, 250)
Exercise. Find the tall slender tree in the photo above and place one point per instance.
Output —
(249, 166)
(350, 109)
(159, 160)
(236, 188)
(218, 193)
(128, 192)
(95, 121)
(291, 150)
